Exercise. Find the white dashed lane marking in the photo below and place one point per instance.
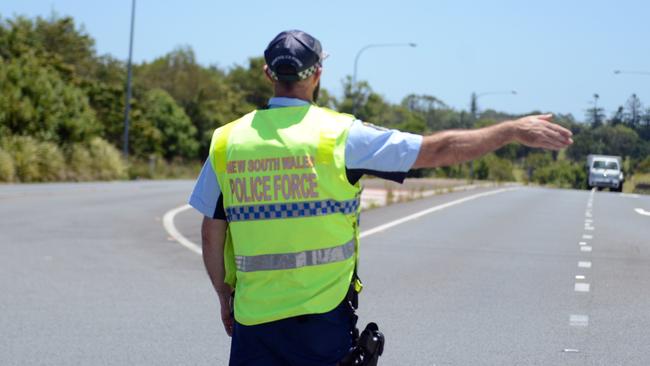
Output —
(579, 320)
(585, 248)
(587, 236)
(584, 264)
(581, 287)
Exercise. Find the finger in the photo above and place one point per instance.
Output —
(228, 326)
(554, 144)
(563, 131)
(546, 117)
(558, 133)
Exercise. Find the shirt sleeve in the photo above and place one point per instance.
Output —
(381, 152)
(206, 196)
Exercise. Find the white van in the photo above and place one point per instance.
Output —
(605, 171)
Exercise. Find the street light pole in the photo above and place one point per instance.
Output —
(474, 112)
(618, 72)
(356, 62)
(127, 104)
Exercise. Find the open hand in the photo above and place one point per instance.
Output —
(225, 300)
(539, 131)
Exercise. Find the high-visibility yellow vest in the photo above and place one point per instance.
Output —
(293, 215)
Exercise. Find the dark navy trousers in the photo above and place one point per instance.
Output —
(307, 340)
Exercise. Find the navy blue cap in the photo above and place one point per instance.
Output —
(293, 55)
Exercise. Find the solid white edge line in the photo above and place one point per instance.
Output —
(168, 219)
(168, 223)
(641, 211)
(419, 214)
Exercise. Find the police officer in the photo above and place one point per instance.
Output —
(280, 195)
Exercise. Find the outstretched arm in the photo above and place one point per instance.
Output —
(213, 236)
(457, 146)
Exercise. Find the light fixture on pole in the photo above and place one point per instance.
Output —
(618, 72)
(356, 62)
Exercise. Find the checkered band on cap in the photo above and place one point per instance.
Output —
(301, 75)
(291, 210)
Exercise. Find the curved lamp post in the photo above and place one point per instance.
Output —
(373, 45)
(475, 97)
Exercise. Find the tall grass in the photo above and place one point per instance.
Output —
(96, 160)
(107, 163)
(24, 152)
(7, 168)
(50, 162)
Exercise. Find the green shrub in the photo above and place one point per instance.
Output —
(106, 160)
(24, 152)
(158, 168)
(643, 166)
(79, 163)
(563, 174)
(493, 168)
(50, 162)
(7, 168)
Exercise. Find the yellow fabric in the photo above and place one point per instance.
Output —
(254, 158)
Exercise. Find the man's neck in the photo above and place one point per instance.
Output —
(292, 95)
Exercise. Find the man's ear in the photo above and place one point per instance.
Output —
(317, 75)
(267, 74)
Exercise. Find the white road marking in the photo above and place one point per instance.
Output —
(584, 264)
(588, 221)
(416, 215)
(168, 223)
(585, 248)
(581, 287)
(641, 211)
(589, 228)
(630, 195)
(582, 243)
(570, 350)
(580, 277)
(587, 236)
(168, 219)
(588, 213)
(578, 320)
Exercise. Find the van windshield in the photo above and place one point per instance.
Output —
(599, 164)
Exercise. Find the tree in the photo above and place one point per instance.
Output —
(36, 101)
(55, 41)
(251, 82)
(634, 110)
(618, 116)
(595, 115)
(163, 128)
(204, 93)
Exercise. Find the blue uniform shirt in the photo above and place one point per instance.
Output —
(369, 149)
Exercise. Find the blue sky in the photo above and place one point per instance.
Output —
(555, 54)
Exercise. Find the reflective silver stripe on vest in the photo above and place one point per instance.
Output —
(269, 262)
(291, 210)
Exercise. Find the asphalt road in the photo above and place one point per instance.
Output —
(89, 276)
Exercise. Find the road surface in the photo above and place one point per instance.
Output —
(526, 276)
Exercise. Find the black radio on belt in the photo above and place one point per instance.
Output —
(370, 346)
